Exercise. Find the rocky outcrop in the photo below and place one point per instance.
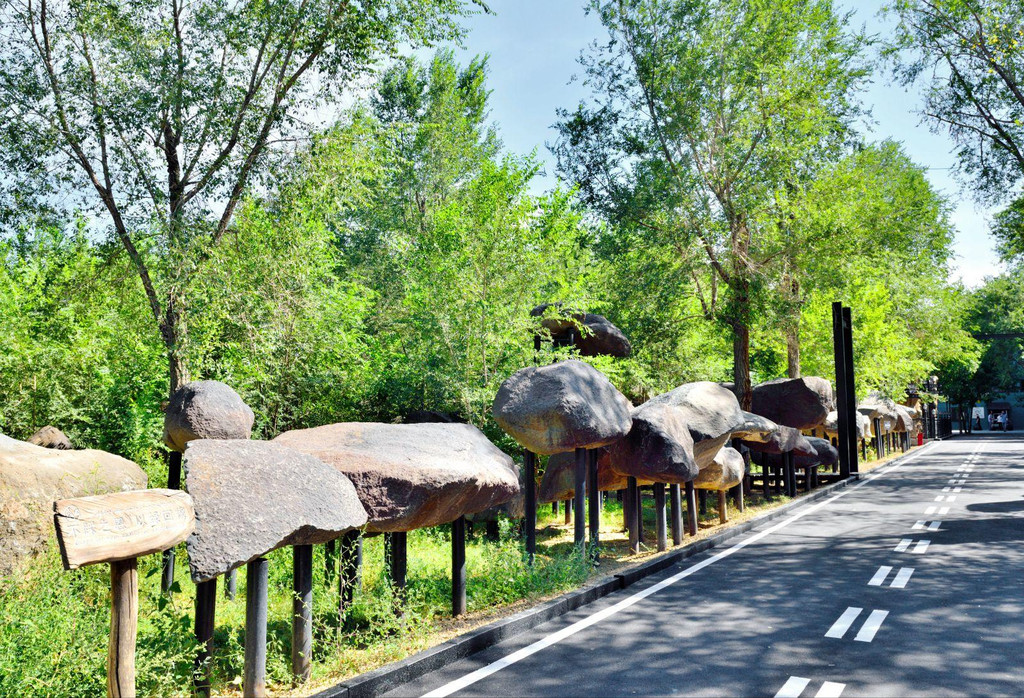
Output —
(51, 437)
(658, 447)
(725, 471)
(205, 410)
(411, 476)
(33, 477)
(592, 335)
(251, 497)
(561, 407)
(801, 403)
(711, 414)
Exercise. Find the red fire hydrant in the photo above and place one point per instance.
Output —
(920, 438)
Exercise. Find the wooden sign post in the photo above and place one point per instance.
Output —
(118, 528)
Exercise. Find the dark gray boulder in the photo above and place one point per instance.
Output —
(801, 403)
(51, 437)
(786, 439)
(205, 410)
(561, 407)
(755, 428)
(825, 454)
(252, 497)
(711, 414)
(658, 447)
(725, 471)
(411, 476)
(591, 334)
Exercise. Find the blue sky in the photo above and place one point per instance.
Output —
(534, 46)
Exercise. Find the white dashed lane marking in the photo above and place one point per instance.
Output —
(904, 545)
(844, 622)
(898, 582)
(871, 626)
(793, 687)
(830, 689)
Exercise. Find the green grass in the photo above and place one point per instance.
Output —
(54, 633)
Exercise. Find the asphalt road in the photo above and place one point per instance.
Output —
(910, 582)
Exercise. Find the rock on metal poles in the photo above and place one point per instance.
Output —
(200, 410)
(560, 408)
(231, 482)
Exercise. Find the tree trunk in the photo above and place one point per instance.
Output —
(793, 350)
(173, 330)
(741, 363)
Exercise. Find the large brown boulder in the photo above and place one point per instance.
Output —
(559, 480)
(205, 410)
(711, 414)
(33, 477)
(561, 407)
(725, 471)
(882, 409)
(658, 448)
(592, 335)
(801, 403)
(252, 497)
(411, 476)
(51, 437)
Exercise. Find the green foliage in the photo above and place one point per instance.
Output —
(69, 352)
(968, 56)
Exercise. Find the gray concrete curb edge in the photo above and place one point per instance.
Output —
(381, 680)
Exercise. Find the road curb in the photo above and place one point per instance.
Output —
(393, 675)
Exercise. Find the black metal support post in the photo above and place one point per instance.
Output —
(839, 353)
(593, 500)
(659, 516)
(675, 497)
(530, 477)
(459, 566)
(632, 495)
(349, 577)
(579, 499)
(173, 483)
(851, 391)
(206, 609)
(691, 508)
(302, 612)
(254, 681)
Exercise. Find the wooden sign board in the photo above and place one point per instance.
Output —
(122, 525)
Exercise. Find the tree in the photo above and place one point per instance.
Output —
(169, 112)
(709, 117)
(969, 57)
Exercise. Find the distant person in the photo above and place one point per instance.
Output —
(977, 422)
(1002, 421)
(991, 421)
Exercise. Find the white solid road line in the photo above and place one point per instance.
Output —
(902, 577)
(580, 625)
(902, 546)
(871, 626)
(830, 689)
(793, 687)
(844, 622)
(880, 576)
(921, 547)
